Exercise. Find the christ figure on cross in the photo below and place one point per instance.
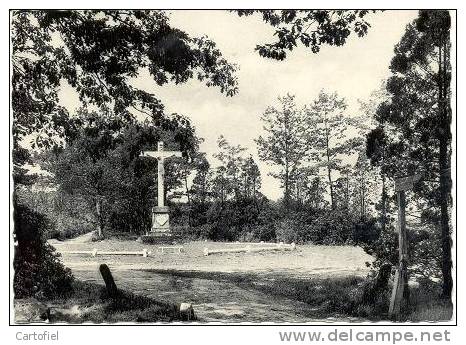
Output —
(160, 213)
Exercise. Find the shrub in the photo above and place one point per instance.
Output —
(38, 270)
(286, 231)
(68, 216)
(265, 232)
(384, 249)
(70, 227)
(366, 231)
(192, 233)
(333, 227)
(204, 231)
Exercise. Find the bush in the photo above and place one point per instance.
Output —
(332, 227)
(193, 233)
(265, 232)
(287, 231)
(204, 231)
(68, 216)
(71, 227)
(38, 270)
(384, 249)
(366, 231)
(329, 227)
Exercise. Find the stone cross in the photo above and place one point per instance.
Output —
(161, 155)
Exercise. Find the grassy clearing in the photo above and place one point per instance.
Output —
(317, 282)
(306, 261)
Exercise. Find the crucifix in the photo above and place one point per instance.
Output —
(160, 213)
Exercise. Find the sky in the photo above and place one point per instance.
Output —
(354, 71)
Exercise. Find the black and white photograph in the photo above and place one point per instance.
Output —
(232, 166)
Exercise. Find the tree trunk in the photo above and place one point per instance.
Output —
(329, 170)
(347, 194)
(204, 191)
(363, 196)
(287, 187)
(98, 209)
(188, 196)
(384, 201)
(384, 190)
(444, 220)
(445, 173)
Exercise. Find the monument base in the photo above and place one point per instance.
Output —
(160, 220)
(160, 232)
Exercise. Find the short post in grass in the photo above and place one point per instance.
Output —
(400, 292)
(110, 285)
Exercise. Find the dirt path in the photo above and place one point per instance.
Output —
(218, 301)
(215, 298)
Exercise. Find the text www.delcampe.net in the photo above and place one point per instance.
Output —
(352, 335)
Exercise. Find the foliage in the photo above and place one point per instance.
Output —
(104, 184)
(102, 165)
(384, 249)
(236, 176)
(310, 28)
(284, 146)
(38, 270)
(98, 52)
(413, 133)
(231, 219)
(68, 215)
(326, 137)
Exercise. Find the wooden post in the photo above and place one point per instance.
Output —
(112, 289)
(400, 292)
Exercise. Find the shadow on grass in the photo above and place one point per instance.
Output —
(331, 297)
(90, 303)
(327, 297)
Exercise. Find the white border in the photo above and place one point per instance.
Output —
(223, 334)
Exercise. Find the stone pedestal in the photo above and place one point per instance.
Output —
(160, 232)
(160, 222)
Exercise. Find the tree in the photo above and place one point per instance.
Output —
(251, 178)
(103, 164)
(376, 151)
(38, 271)
(311, 28)
(202, 180)
(98, 52)
(231, 161)
(365, 184)
(237, 176)
(179, 172)
(81, 168)
(419, 111)
(315, 191)
(303, 186)
(376, 144)
(285, 145)
(324, 118)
